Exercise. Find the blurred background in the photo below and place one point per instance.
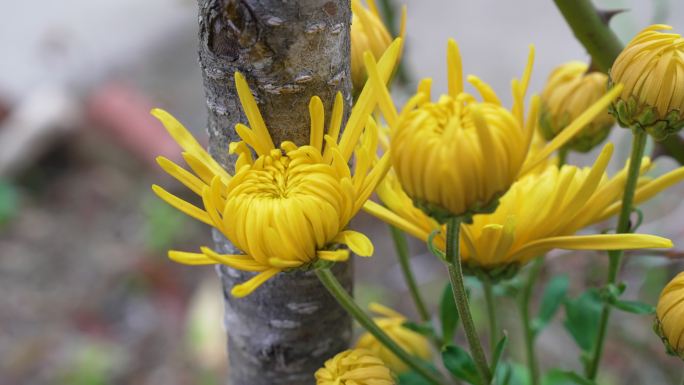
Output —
(88, 295)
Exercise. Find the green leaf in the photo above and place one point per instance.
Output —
(554, 295)
(510, 373)
(434, 249)
(559, 377)
(9, 201)
(411, 378)
(425, 329)
(448, 314)
(459, 363)
(582, 318)
(634, 307)
(498, 351)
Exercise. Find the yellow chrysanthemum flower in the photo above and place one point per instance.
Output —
(569, 91)
(540, 212)
(457, 156)
(651, 67)
(354, 367)
(289, 207)
(392, 323)
(670, 316)
(368, 33)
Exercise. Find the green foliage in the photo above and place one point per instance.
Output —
(434, 249)
(448, 314)
(163, 225)
(498, 352)
(582, 318)
(634, 307)
(459, 363)
(92, 365)
(559, 377)
(410, 377)
(554, 295)
(9, 202)
(424, 328)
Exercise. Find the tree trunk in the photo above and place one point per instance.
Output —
(289, 51)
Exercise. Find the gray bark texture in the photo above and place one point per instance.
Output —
(289, 51)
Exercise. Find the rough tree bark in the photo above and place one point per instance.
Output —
(289, 51)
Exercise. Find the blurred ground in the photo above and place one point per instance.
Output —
(88, 297)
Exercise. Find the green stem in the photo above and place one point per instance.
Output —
(347, 302)
(532, 364)
(562, 157)
(458, 287)
(674, 146)
(491, 313)
(638, 146)
(592, 31)
(402, 252)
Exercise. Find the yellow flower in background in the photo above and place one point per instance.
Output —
(670, 316)
(540, 212)
(391, 322)
(368, 33)
(289, 207)
(569, 91)
(457, 156)
(354, 367)
(651, 67)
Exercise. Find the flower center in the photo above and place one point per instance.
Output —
(298, 202)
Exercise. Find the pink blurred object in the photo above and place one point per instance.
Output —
(125, 113)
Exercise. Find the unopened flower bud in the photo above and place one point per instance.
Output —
(670, 316)
(354, 367)
(651, 68)
(569, 91)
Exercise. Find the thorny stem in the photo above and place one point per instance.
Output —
(591, 30)
(458, 287)
(604, 46)
(638, 146)
(347, 302)
(532, 364)
(402, 252)
(491, 314)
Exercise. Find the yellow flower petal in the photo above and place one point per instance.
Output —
(245, 289)
(358, 243)
(182, 205)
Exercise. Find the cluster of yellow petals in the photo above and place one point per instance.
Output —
(354, 367)
(540, 212)
(651, 67)
(368, 34)
(568, 92)
(458, 155)
(670, 315)
(392, 323)
(288, 207)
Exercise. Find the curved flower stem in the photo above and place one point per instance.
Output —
(532, 364)
(458, 287)
(638, 146)
(491, 313)
(402, 252)
(592, 31)
(347, 302)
